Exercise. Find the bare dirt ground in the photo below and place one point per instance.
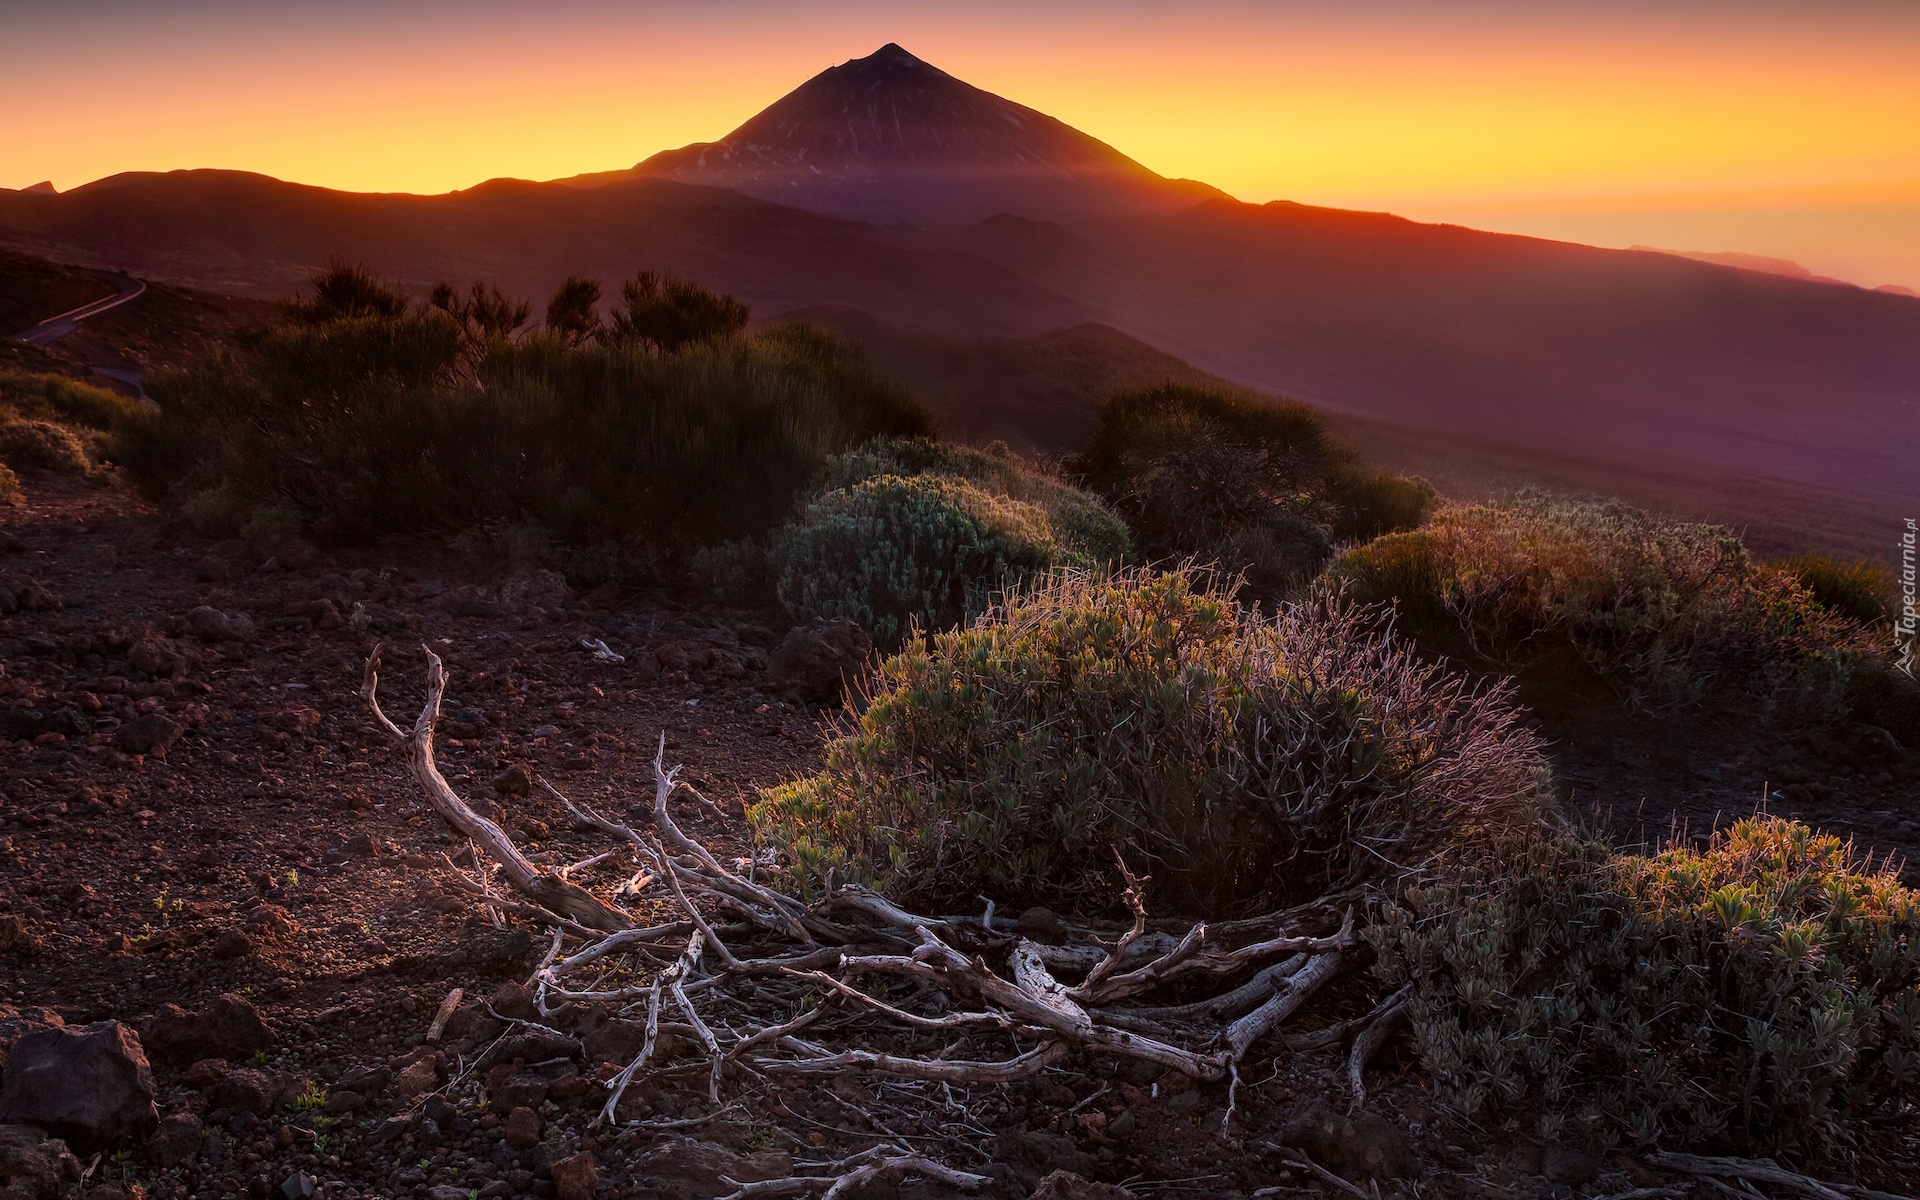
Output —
(267, 847)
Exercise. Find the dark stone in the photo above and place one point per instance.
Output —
(1065, 1185)
(522, 1130)
(233, 943)
(515, 1000)
(90, 1085)
(299, 1186)
(151, 734)
(34, 1166)
(524, 1090)
(1031, 1154)
(684, 1169)
(616, 1041)
(815, 661)
(227, 1027)
(1364, 1146)
(212, 625)
(365, 1080)
(250, 1091)
(177, 1139)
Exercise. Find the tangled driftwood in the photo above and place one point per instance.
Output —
(769, 986)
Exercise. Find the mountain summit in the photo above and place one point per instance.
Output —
(889, 137)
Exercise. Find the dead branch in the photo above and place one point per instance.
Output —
(546, 890)
(1760, 1172)
(848, 1175)
(1373, 1035)
(736, 949)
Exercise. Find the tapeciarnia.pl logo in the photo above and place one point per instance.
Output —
(1905, 625)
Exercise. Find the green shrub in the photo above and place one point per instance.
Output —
(897, 552)
(69, 401)
(1088, 532)
(45, 445)
(1665, 610)
(1760, 996)
(1247, 761)
(1256, 486)
(370, 417)
(1861, 592)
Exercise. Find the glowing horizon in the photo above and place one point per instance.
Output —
(1768, 129)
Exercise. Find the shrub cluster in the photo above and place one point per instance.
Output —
(368, 415)
(909, 532)
(52, 423)
(1243, 761)
(1253, 485)
(1759, 996)
(1664, 609)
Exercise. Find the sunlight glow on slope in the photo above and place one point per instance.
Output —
(1459, 111)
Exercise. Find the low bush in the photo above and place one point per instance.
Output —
(897, 552)
(1088, 531)
(1859, 591)
(68, 401)
(1759, 996)
(42, 445)
(1243, 761)
(1667, 611)
(368, 415)
(909, 531)
(1256, 486)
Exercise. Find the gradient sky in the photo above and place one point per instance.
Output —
(1765, 126)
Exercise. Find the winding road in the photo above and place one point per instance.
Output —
(54, 328)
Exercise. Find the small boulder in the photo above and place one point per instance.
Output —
(17, 1022)
(177, 1139)
(686, 1169)
(514, 999)
(205, 1073)
(234, 943)
(151, 734)
(522, 1130)
(524, 1089)
(90, 1085)
(34, 1166)
(1365, 1146)
(211, 625)
(245, 1091)
(418, 1079)
(1065, 1185)
(158, 657)
(616, 1041)
(227, 1027)
(574, 1176)
(814, 661)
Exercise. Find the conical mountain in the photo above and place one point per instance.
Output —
(890, 138)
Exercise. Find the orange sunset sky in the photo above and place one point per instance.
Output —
(1787, 129)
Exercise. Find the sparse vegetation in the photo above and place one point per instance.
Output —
(1252, 485)
(366, 414)
(895, 552)
(910, 532)
(1247, 761)
(1667, 611)
(1858, 591)
(1757, 996)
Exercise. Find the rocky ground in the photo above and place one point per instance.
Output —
(204, 838)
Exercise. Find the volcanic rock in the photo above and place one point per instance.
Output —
(90, 1085)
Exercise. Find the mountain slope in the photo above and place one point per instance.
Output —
(890, 138)
(1528, 344)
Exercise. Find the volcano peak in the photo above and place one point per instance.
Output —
(891, 137)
